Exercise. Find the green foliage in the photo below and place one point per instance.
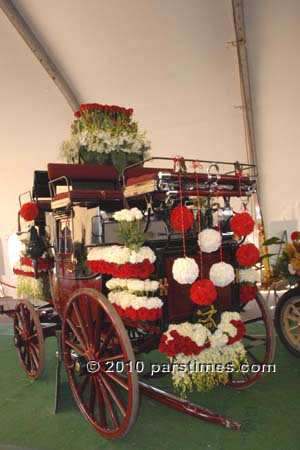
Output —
(273, 241)
(131, 235)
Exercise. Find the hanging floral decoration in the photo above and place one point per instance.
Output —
(247, 255)
(29, 211)
(185, 270)
(242, 224)
(131, 291)
(190, 345)
(203, 292)
(26, 283)
(181, 218)
(209, 240)
(221, 274)
(248, 292)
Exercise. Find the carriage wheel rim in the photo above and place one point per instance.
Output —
(290, 321)
(29, 339)
(270, 343)
(101, 385)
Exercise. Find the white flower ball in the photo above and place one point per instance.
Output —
(249, 276)
(221, 274)
(185, 270)
(209, 240)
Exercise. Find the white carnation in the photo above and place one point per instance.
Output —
(185, 270)
(291, 269)
(221, 274)
(249, 276)
(218, 339)
(128, 215)
(209, 240)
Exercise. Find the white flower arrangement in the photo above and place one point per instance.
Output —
(184, 380)
(32, 288)
(28, 269)
(291, 269)
(249, 276)
(185, 270)
(128, 215)
(121, 255)
(209, 240)
(132, 285)
(221, 274)
(126, 299)
(195, 331)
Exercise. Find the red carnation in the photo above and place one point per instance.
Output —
(181, 217)
(241, 330)
(247, 255)
(29, 211)
(295, 236)
(247, 293)
(77, 114)
(203, 292)
(242, 224)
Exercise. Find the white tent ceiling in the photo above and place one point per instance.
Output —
(170, 61)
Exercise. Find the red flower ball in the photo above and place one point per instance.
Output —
(241, 330)
(203, 292)
(247, 293)
(242, 224)
(247, 255)
(29, 211)
(295, 235)
(181, 217)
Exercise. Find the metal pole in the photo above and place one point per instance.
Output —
(33, 43)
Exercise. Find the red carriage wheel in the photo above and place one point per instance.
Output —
(259, 342)
(100, 363)
(29, 339)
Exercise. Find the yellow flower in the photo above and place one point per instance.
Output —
(289, 250)
(295, 262)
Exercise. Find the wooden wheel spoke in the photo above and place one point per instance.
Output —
(253, 320)
(121, 380)
(75, 347)
(81, 324)
(97, 330)
(113, 417)
(114, 394)
(293, 317)
(35, 357)
(20, 319)
(92, 396)
(89, 322)
(75, 332)
(111, 358)
(33, 336)
(18, 329)
(83, 384)
(254, 338)
(107, 338)
(296, 311)
(256, 343)
(253, 357)
(101, 407)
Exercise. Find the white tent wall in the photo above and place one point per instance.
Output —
(169, 60)
(273, 36)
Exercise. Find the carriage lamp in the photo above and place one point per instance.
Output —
(35, 248)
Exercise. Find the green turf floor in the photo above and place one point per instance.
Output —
(268, 413)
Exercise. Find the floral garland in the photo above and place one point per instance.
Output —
(288, 263)
(188, 343)
(33, 288)
(105, 131)
(131, 291)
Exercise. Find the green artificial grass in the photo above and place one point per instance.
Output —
(268, 412)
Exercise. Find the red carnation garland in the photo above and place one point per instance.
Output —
(247, 255)
(295, 236)
(42, 263)
(248, 292)
(128, 270)
(180, 344)
(105, 108)
(143, 313)
(203, 292)
(29, 211)
(242, 224)
(181, 216)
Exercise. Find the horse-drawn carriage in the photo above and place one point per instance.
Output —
(77, 206)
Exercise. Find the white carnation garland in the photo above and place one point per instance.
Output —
(119, 254)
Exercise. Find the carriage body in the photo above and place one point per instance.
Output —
(76, 204)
